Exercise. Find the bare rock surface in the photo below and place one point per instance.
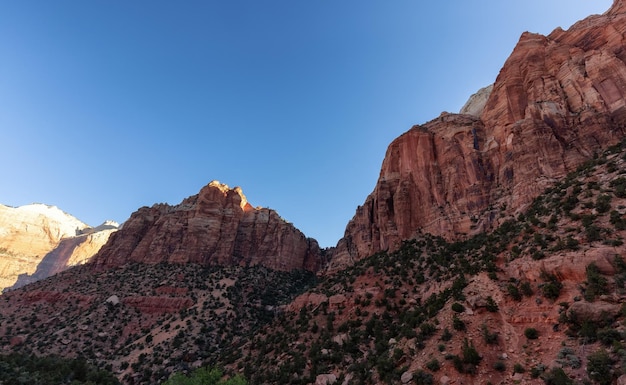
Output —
(217, 226)
(557, 100)
(37, 241)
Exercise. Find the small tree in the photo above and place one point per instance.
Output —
(600, 367)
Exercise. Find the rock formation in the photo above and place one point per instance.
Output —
(43, 240)
(217, 226)
(557, 101)
(476, 103)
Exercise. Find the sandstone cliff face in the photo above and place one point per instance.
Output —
(557, 100)
(43, 240)
(217, 226)
(69, 252)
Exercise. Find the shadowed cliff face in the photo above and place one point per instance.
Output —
(219, 227)
(557, 100)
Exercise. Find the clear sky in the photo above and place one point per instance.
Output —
(107, 106)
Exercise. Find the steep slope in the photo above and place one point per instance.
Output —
(219, 227)
(541, 294)
(557, 100)
(30, 234)
(539, 300)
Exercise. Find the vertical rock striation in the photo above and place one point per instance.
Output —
(217, 226)
(557, 101)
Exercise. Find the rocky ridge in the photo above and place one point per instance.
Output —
(541, 293)
(215, 227)
(557, 100)
(38, 240)
(449, 272)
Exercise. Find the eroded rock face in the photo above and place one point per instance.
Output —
(37, 241)
(558, 100)
(217, 226)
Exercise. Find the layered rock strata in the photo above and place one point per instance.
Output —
(558, 100)
(34, 234)
(217, 226)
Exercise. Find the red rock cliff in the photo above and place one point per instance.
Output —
(217, 226)
(557, 100)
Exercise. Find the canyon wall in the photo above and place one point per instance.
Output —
(558, 100)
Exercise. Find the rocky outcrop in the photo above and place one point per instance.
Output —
(37, 241)
(69, 252)
(476, 103)
(557, 101)
(217, 226)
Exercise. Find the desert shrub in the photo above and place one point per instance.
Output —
(518, 368)
(458, 308)
(531, 333)
(27, 369)
(433, 365)
(489, 337)
(619, 185)
(458, 323)
(427, 329)
(603, 203)
(204, 376)
(617, 221)
(600, 367)
(536, 371)
(423, 378)
(446, 335)
(607, 336)
(568, 358)
(526, 288)
(499, 365)
(552, 288)
(492, 306)
(556, 376)
(596, 283)
(514, 292)
(469, 359)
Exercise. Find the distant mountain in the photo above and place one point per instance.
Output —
(37, 241)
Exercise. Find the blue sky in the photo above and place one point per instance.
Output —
(107, 106)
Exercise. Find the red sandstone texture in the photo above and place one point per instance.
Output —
(557, 100)
(217, 226)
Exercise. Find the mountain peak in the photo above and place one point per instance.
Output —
(216, 227)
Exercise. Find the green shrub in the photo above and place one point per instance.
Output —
(490, 338)
(470, 355)
(596, 283)
(603, 203)
(514, 292)
(446, 335)
(433, 365)
(458, 323)
(556, 376)
(204, 376)
(518, 368)
(492, 306)
(607, 336)
(458, 308)
(552, 288)
(423, 378)
(499, 365)
(600, 367)
(526, 289)
(531, 333)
